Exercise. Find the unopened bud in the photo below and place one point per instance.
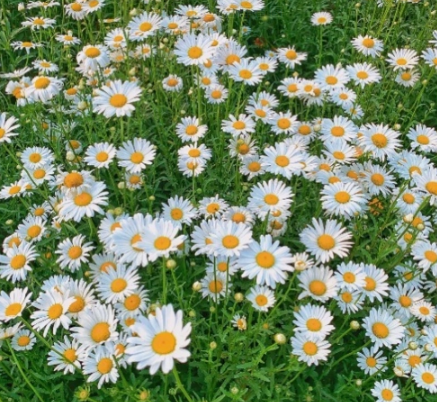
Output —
(196, 286)
(355, 325)
(280, 339)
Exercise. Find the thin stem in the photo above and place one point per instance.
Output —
(14, 357)
(180, 385)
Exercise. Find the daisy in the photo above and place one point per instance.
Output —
(330, 76)
(386, 390)
(92, 6)
(231, 53)
(216, 94)
(250, 5)
(172, 83)
(290, 87)
(93, 57)
(161, 239)
(290, 57)
(206, 79)
(135, 155)
(143, 26)
(191, 168)
(371, 360)
(212, 207)
(73, 253)
(190, 129)
(407, 78)
(161, 339)
(179, 211)
(282, 159)
(343, 199)
(314, 322)
(239, 322)
(321, 18)
(75, 10)
(117, 284)
(43, 88)
(429, 55)
(339, 151)
(32, 229)
(283, 123)
(229, 239)
(363, 74)
(310, 351)
(26, 45)
(349, 302)
(65, 355)
(86, 202)
(404, 297)
(14, 265)
(326, 240)
(37, 23)
(116, 98)
(246, 71)
(261, 297)
(96, 326)
(23, 340)
(382, 328)
(425, 376)
(318, 283)
(338, 128)
(175, 24)
(192, 49)
(215, 285)
(100, 155)
(425, 253)
(13, 304)
(251, 167)
(343, 97)
(266, 64)
(237, 126)
(191, 11)
(267, 261)
(239, 215)
(134, 304)
(378, 180)
(126, 239)
(380, 140)
(305, 131)
(16, 189)
(402, 59)
(35, 157)
(423, 138)
(264, 98)
(83, 295)
(100, 364)
(7, 127)
(427, 183)
(115, 39)
(409, 201)
(68, 39)
(51, 308)
(242, 147)
(267, 197)
(376, 282)
(350, 276)
(368, 45)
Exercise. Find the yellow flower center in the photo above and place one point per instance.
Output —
(331, 80)
(337, 131)
(213, 208)
(349, 277)
(137, 157)
(326, 242)
(317, 287)
(70, 355)
(104, 366)
(379, 140)
(362, 75)
(282, 161)
(92, 52)
(377, 179)
(118, 100)
(23, 340)
(42, 83)
(283, 123)
(346, 297)
(230, 241)
(431, 187)
(164, 343)
(232, 58)
(261, 300)
(342, 197)
(191, 129)
(78, 305)
(118, 285)
(176, 214)
(431, 256)
(18, 261)
(271, 199)
(428, 378)
(195, 52)
(73, 180)
(239, 217)
(245, 74)
(13, 309)
(405, 301)
(314, 324)
(368, 42)
(132, 302)
(371, 361)
(254, 167)
(370, 284)
(215, 286)
(83, 199)
(401, 61)
(100, 332)
(162, 243)
(145, 27)
(339, 155)
(310, 348)
(194, 153)
(380, 330)
(265, 259)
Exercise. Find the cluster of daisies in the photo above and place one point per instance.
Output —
(97, 299)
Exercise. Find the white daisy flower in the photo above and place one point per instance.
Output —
(382, 328)
(310, 351)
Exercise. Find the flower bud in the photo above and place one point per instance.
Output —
(280, 339)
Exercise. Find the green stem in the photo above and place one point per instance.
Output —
(14, 357)
(180, 385)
